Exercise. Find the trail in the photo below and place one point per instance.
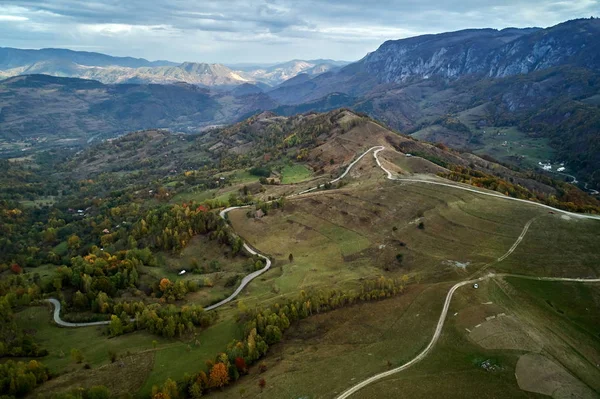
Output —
(63, 323)
(510, 251)
(343, 174)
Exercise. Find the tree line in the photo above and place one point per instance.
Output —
(265, 327)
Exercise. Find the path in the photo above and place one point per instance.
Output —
(343, 174)
(63, 323)
(510, 251)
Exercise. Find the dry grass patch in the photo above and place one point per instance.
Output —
(537, 373)
(504, 332)
(124, 376)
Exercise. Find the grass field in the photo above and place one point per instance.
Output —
(215, 261)
(365, 337)
(345, 345)
(187, 357)
(170, 358)
(557, 246)
(295, 173)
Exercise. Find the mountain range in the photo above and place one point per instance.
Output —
(520, 95)
(108, 69)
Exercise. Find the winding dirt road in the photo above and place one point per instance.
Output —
(62, 323)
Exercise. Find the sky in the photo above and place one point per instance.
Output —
(260, 31)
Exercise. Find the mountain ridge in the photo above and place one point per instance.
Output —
(109, 69)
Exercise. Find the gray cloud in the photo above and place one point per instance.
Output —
(260, 30)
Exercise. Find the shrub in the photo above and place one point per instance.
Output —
(261, 171)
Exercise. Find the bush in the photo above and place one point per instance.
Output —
(260, 171)
(231, 281)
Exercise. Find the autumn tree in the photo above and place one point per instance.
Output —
(240, 363)
(16, 269)
(262, 383)
(74, 242)
(164, 284)
(219, 376)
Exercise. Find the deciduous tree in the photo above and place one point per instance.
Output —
(219, 376)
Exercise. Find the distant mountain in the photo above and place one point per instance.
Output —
(194, 73)
(276, 74)
(109, 69)
(15, 58)
(486, 52)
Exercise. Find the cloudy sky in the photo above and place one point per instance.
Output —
(231, 31)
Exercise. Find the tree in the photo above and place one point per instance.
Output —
(421, 226)
(80, 301)
(399, 258)
(195, 391)
(262, 383)
(262, 367)
(272, 334)
(74, 242)
(164, 284)
(240, 363)
(170, 389)
(219, 376)
(16, 269)
(76, 355)
(291, 258)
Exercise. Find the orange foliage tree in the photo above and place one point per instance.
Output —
(219, 377)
